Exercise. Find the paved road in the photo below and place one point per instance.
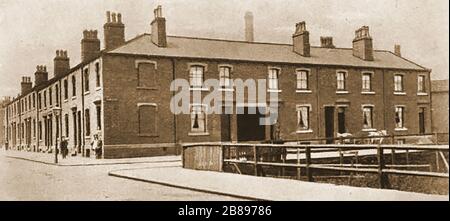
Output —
(25, 180)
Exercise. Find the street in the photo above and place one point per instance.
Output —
(26, 180)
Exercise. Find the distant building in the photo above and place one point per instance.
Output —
(122, 92)
(4, 101)
(439, 101)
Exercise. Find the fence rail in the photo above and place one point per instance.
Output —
(274, 155)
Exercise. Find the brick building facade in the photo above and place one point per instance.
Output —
(123, 91)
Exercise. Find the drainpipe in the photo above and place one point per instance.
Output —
(175, 141)
(384, 100)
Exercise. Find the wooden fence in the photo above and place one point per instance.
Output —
(274, 155)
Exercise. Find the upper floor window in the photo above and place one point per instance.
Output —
(196, 75)
(340, 79)
(87, 120)
(303, 118)
(57, 95)
(45, 98)
(66, 89)
(146, 74)
(225, 77)
(273, 78)
(34, 100)
(86, 80)
(97, 74)
(398, 83)
(366, 82)
(39, 101)
(399, 117)
(302, 80)
(50, 98)
(367, 117)
(421, 84)
(74, 86)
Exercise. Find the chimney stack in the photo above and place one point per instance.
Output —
(90, 45)
(362, 44)
(158, 24)
(249, 35)
(61, 63)
(301, 40)
(26, 85)
(326, 42)
(41, 75)
(397, 50)
(114, 30)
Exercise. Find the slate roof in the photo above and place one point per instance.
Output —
(439, 86)
(189, 47)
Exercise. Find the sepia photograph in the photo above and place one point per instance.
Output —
(226, 100)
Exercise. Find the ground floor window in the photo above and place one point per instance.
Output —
(399, 116)
(303, 117)
(198, 118)
(148, 119)
(87, 119)
(367, 117)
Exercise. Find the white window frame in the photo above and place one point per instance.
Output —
(298, 73)
(205, 110)
(403, 126)
(402, 84)
(190, 77)
(345, 75)
(371, 108)
(422, 92)
(371, 76)
(223, 86)
(298, 112)
(273, 81)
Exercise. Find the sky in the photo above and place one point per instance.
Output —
(32, 30)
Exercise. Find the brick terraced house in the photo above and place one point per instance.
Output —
(123, 91)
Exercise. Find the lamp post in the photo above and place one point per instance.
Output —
(56, 113)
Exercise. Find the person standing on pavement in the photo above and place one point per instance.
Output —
(96, 145)
(64, 149)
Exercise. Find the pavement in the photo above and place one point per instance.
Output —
(265, 188)
(167, 171)
(48, 158)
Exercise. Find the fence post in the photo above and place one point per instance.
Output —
(255, 158)
(298, 163)
(222, 149)
(381, 176)
(308, 163)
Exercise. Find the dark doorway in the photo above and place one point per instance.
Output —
(74, 115)
(329, 124)
(79, 131)
(225, 126)
(422, 121)
(248, 127)
(341, 120)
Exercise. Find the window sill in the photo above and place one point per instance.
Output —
(198, 89)
(303, 131)
(399, 93)
(369, 130)
(274, 91)
(401, 129)
(148, 135)
(74, 97)
(368, 92)
(146, 88)
(226, 89)
(198, 134)
(87, 92)
(65, 100)
(422, 94)
(303, 91)
(98, 88)
(342, 92)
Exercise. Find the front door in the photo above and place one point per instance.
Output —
(329, 124)
(79, 132)
(421, 121)
(248, 126)
(225, 128)
(341, 120)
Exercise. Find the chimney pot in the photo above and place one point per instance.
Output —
(119, 18)
(362, 44)
(108, 16)
(397, 50)
(301, 40)
(158, 26)
(114, 32)
(326, 42)
(113, 15)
